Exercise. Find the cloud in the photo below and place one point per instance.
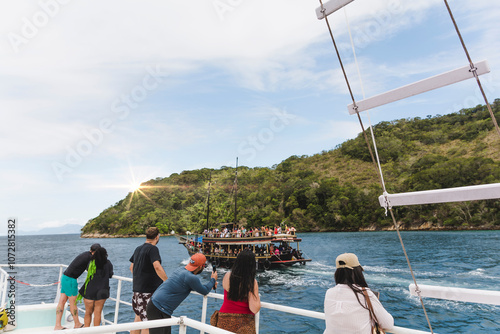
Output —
(339, 131)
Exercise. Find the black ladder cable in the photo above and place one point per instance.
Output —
(379, 172)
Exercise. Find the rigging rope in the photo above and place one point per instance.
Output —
(379, 170)
(367, 112)
(472, 67)
(348, 85)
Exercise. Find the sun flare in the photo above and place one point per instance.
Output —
(135, 187)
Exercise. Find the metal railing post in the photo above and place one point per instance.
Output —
(257, 322)
(118, 296)
(3, 286)
(58, 292)
(204, 311)
(182, 326)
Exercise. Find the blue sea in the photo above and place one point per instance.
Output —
(456, 259)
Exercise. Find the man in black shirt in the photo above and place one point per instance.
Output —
(69, 286)
(148, 274)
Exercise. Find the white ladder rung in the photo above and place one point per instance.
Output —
(458, 294)
(459, 194)
(330, 7)
(422, 86)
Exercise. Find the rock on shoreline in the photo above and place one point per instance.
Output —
(106, 235)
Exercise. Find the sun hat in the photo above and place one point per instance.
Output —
(347, 260)
(197, 260)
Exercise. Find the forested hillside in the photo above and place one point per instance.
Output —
(333, 190)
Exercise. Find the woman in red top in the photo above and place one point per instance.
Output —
(241, 297)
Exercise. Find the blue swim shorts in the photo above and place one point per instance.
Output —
(69, 286)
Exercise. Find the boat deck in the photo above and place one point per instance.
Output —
(41, 317)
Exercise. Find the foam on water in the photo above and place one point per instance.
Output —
(479, 272)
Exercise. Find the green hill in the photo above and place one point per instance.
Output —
(334, 190)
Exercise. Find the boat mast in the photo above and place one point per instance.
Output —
(236, 193)
(208, 197)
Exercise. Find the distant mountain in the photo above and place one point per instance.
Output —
(334, 190)
(65, 229)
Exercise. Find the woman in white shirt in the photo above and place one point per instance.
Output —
(346, 310)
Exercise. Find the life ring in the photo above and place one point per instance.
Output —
(267, 264)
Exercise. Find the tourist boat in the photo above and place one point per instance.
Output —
(221, 247)
(272, 248)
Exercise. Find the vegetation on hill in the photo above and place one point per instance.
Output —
(334, 190)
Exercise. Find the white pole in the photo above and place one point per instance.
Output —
(3, 287)
(58, 292)
(182, 326)
(204, 312)
(257, 322)
(118, 297)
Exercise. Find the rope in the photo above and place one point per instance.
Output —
(36, 285)
(363, 92)
(348, 85)
(379, 170)
(473, 68)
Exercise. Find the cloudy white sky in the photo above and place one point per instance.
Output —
(98, 95)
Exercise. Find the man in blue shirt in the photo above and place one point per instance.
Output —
(176, 288)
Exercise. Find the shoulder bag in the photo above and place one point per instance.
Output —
(376, 329)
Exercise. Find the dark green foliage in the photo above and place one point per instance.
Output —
(334, 190)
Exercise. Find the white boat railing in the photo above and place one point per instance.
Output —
(184, 322)
(4, 282)
(457, 294)
(118, 300)
(4, 285)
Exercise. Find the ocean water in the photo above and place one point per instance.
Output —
(456, 259)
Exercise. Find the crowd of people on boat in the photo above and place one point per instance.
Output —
(281, 250)
(242, 232)
(350, 306)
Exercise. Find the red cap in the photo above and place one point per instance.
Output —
(197, 260)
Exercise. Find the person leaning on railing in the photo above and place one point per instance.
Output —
(176, 288)
(69, 287)
(241, 297)
(95, 291)
(346, 309)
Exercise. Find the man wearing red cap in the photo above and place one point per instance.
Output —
(175, 289)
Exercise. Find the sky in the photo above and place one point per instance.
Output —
(99, 96)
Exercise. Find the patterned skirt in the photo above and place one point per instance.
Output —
(234, 322)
